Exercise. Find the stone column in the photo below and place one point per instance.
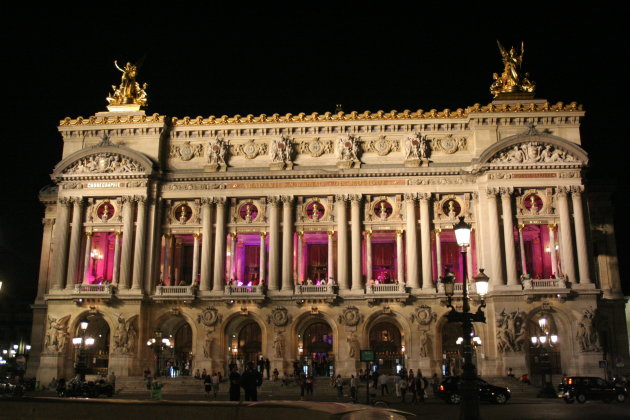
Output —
(399, 256)
(166, 273)
(425, 242)
(412, 242)
(496, 273)
(116, 273)
(44, 268)
(355, 214)
(580, 236)
(263, 254)
(60, 245)
(219, 247)
(521, 243)
(232, 267)
(300, 257)
(206, 244)
(274, 243)
(342, 243)
(88, 254)
(552, 249)
(566, 241)
(195, 267)
(508, 236)
(368, 257)
(438, 254)
(75, 243)
(331, 260)
(287, 243)
(126, 259)
(140, 249)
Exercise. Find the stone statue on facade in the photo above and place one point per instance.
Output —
(217, 150)
(510, 331)
(353, 346)
(425, 344)
(278, 345)
(347, 152)
(280, 153)
(533, 152)
(129, 91)
(57, 334)
(587, 336)
(125, 336)
(512, 80)
(207, 345)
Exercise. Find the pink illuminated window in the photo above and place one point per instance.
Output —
(100, 267)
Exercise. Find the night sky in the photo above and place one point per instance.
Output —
(200, 61)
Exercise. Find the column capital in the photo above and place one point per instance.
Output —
(424, 196)
(551, 226)
(48, 222)
(563, 191)
(438, 231)
(355, 198)
(263, 234)
(341, 197)
(76, 201)
(89, 233)
(300, 234)
(196, 235)
(331, 233)
(219, 201)
(206, 201)
(411, 197)
(577, 190)
(506, 192)
(64, 201)
(368, 233)
(491, 192)
(140, 199)
(287, 200)
(399, 232)
(118, 233)
(233, 235)
(274, 200)
(127, 199)
(521, 226)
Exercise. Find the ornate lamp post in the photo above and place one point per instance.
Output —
(545, 342)
(158, 344)
(469, 389)
(81, 343)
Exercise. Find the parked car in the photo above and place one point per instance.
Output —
(583, 388)
(12, 388)
(76, 388)
(449, 391)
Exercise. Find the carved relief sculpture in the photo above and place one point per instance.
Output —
(125, 336)
(511, 331)
(278, 345)
(533, 152)
(186, 151)
(350, 316)
(57, 334)
(279, 317)
(209, 316)
(216, 155)
(280, 153)
(587, 336)
(347, 149)
(207, 345)
(104, 163)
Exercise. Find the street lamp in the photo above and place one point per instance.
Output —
(470, 391)
(544, 342)
(81, 343)
(158, 343)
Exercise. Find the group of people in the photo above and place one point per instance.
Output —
(406, 382)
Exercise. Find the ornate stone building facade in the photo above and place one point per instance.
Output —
(311, 237)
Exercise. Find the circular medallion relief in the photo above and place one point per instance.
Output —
(105, 211)
(248, 212)
(315, 210)
(451, 208)
(183, 213)
(533, 203)
(383, 209)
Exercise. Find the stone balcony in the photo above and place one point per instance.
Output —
(315, 291)
(537, 287)
(396, 291)
(245, 292)
(175, 292)
(94, 291)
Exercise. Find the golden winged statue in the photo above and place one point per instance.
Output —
(512, 81)
(129, 91)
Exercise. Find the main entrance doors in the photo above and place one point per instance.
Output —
(386, 341)
(318, 357)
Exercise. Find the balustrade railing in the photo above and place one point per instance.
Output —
(314, 289)
(386, 288)
(104, 289)
(557, 283)
(245, 290)
(175, 290)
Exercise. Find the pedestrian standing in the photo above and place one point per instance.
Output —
(422, 385)
(382, 383)
(403, 388)
(207, 385)
(412, 387)
(309, 384)
(434, 384)
(353, 388)
(112, 380)
(397, 380)
(215, 384)
(267, 367)
(301, 381)
(275, 374)
(250, 381)
(339, 385)
(235, 384)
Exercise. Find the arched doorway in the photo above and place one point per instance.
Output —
(95, 356)
(176, 360)
(316, 344)
(452, 357)
(543, 359)
(244, 342)
(386, 341)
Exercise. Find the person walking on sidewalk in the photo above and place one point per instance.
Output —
(215, 384)
(309, 385)
(207, 385)
(353, 388)
(250, 381)
(339, 386)
(403, 388)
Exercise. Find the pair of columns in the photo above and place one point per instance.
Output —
(566, 241)
(67, 245)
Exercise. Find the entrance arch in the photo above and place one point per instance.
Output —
(452, 357)
(244, 341)
(386, 340)
(541, 360)
(177, 359)
(315, 344)
(96, 356)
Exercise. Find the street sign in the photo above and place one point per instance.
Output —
(367, 355)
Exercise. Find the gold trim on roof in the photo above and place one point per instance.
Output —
(328, 116)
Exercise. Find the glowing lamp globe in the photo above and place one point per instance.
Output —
(462, 232)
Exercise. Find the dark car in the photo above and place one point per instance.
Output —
(89, 389)
(449, 391)
(583, 388)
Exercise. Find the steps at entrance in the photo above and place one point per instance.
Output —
(517, 388)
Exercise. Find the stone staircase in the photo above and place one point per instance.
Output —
(517, 388)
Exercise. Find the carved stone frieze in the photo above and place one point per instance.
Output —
(190, 186)
(217, 151)
(423, 315)
(279, 317)
(449, 144)
(381, 146)
(104, 163)
(125, 336)
(281, 153)
(586, 334)
(209, 316)
(57, 336)
(315, 147)
(186, 151)
(347, 152)
(249, 150)
(511, 331)
(533, 152)
(350, 316)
